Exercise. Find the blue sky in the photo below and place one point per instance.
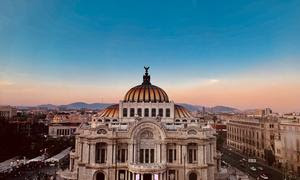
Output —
(108, 42)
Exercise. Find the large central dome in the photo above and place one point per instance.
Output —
(146, 92)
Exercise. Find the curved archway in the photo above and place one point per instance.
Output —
(157, 130)
(100, 176)
(193, 176)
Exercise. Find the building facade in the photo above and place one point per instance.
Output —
(65, 124)
(7, 112)
(287, 146)
(253, 137)
(144, 137)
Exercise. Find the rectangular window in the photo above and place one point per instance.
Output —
(131, 112)
(174, 154)
(146, 113)
(152, 156)
(125, 112)
(146, 155)
(170, 155)
(190, 154)
(168, 112)
(102, 160)
(139, 112)
(161, 112)
(141, 155)
(153, 112)
(195, 154)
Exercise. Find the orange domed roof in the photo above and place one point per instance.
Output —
(146, 92)
(111, 111)
(181, 112)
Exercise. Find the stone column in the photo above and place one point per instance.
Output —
(204, 154)
(200, 155)
(134, 153)
(84, 152)
(109, 154)
(71, 164)
(92, 153)
(184, 154)
(164, 153)
(158, 153)
(211, 152)
(142, 177)
(126, 175)
(155, 154)
(129, 152)
(178, 154)
(208, 153)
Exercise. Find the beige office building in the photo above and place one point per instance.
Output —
(252, 136)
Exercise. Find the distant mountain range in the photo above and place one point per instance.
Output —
(215, 109)
(96, 106)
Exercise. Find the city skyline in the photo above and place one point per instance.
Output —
(241, 54)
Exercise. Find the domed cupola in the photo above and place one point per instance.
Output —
(146, 92)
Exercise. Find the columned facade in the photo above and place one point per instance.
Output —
(144, 137)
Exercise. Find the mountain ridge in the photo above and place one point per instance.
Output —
(98, 106)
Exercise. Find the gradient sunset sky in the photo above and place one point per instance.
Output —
(244, 54)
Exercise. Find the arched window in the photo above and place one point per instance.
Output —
(124, 112)
(100, 176)
(193, 176)
(184, 120)
(101, 149)
(131, 112)
(146, 147)
(146, 113)
(107, 120)
(168, 112)
(115, 120)
(177, 120)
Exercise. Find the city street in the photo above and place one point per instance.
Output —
(234, 159)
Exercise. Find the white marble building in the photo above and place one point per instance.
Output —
(144, 137)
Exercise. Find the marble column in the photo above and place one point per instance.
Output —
(200, 155)
(92, 153)
(178, 153)
(184, 154)
(155, 154)
(158, 153)
(164, 153)
(129, 152)
(109, 154)
(134, 153)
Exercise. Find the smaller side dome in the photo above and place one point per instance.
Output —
(181, 112)
(111, 111)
